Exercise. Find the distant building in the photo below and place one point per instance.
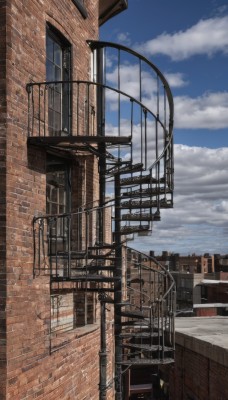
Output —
(188, 290)
(191, 263)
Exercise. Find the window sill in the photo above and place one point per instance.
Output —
(81, 8)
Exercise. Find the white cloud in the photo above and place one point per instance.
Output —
(208, 111)
(176, 80)
(207, 37)
(199, 220)
(124, 38)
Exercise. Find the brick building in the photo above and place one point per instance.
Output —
(61, 265)
(201, 367)
(191, 263)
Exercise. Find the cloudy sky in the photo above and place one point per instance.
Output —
(188, 41)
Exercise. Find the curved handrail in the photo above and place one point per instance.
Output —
(94, 44)
(103, 44)
(172, 286)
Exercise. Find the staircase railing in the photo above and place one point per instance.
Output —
(148, 315)
(124, 115)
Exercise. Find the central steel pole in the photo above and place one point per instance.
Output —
(102, 193)
(118, 292)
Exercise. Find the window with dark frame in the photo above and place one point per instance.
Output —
(58, 201)
(58, 71)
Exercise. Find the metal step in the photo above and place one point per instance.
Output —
(137, 180)
(132, 314)
(148, 192)
(149, 361)
(134, 204)
(97, 290)
(147, 347)
(137, 324)
(127, 169)
(101, 257)
(141, 217)
(94, 268)
(86, 278)
(127, 230)
(140, 335)
(102, 246)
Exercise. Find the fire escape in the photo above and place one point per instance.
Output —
(123, 116)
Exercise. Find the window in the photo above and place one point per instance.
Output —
(58, 188)
(58, 71)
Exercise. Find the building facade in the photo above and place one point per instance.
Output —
(63, 261)
(200, 369)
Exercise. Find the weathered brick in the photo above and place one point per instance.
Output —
(37, 366)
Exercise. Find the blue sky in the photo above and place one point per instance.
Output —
(188, 41)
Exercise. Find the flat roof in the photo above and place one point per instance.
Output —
(209, 305)
(213, 282)
(207, 336)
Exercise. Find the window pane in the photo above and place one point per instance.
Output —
(58, 75)
(57, 55)
(50, 48)
(50, 71)
(58, 69)
(57, 102)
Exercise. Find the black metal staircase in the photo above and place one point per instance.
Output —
(133, 141)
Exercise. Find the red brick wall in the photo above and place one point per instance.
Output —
(2, 198)
(206, 312)
(34, 370)
(197, 377)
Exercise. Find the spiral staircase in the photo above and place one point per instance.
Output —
(133, 141)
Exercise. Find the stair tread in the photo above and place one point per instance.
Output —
(85, 278)
(132, 314)
(126, 169)
(134, 229)
(134, 180)
(146, 192)
(144, 361)
(139, 334)
(148, 347)
(94, 268)
(137, 324)
(134, 204)
(141, 217)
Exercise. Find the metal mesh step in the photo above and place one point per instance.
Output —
(132, 314)
(147, 347)
(146, 192)
(127, 169)
(86, 278)
(145, 361)
(94, 268)
(134, 204)
(127, 230)
(136, 180)
(141, 216)
(140, 335)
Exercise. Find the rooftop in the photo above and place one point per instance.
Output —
(207, 336)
